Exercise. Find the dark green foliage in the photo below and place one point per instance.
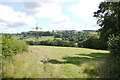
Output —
(67, 35)
(36, 34)
(114, 45)
(93, 42)
(108, 16)
(80, 44)
(69, 38)
(59, 35)
(111, 67)
(109, 19)
(54, 42)
(31, 42)
(72, 44)
(75, 36)
(11, 46)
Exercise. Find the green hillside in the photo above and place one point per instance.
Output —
(53, 62)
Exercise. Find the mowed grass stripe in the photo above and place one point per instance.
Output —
(61, 62)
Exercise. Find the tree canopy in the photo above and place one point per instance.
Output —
(108, 16)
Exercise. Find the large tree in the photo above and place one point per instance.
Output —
(108, 16)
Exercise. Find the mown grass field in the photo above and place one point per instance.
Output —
(53, 62)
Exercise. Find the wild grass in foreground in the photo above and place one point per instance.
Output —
(54, 62)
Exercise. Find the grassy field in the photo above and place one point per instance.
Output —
(53, 62)
(43, 38)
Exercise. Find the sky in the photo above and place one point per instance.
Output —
(23, 15)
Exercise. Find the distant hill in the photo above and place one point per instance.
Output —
(89, 30)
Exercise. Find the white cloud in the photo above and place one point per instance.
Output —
(11, 30)
(52, 11)
(63, 1)
(43, 1)
(26, 0)
(67, 25)
(47, 9)
(30, 11)
(13, 18)
(85, 10)
(10, 18)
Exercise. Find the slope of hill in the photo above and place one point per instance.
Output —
(53, 62)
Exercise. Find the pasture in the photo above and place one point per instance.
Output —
(54, 62)
(43, 38)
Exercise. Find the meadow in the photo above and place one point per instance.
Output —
(66, 62)
(54, 62)
(43, 38)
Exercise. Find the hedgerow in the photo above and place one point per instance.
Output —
(54, 42)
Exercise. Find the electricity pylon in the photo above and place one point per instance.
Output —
(37, 28)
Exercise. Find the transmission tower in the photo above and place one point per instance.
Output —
(37, 28)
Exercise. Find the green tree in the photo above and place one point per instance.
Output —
(109, 19)
(11, 46)
(108, 16)
(114, 45)
(58, 35)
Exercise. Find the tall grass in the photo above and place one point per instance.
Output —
(61, 62)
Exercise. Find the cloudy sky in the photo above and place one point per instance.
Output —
(23, 15)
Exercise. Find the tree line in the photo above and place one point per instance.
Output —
(55, 42)
(69, 35)
(81, 38)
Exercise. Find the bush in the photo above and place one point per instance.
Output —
(94, 43)
(80, 44)
(54, 42)
(11, 46)
(111, 66)
(114, 45)
(58, 35)
(30, 42)
(72, 44)
(89, 69)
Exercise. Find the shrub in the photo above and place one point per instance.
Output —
(114, 45)
(89, 69)
(11, 46)
(54, 42)
(30, 42)
(80, 44)
(111, 66)
(93, 42)
(58, 35)
(72, 44)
